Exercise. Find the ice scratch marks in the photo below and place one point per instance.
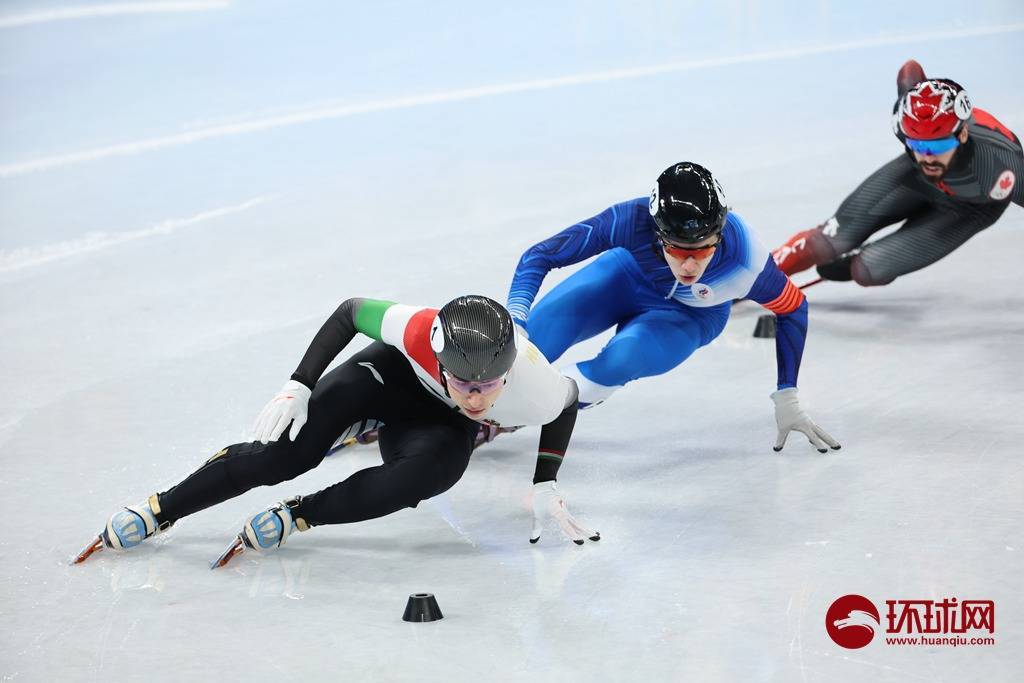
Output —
(796, 644)
(894, 673)
(27, 257)
(442, 504)
(107, 10)
(330, 112)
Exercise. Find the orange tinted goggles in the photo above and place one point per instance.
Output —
(684, 253)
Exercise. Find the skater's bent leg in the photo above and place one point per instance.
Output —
(582, 306)
(889, 195)
(650, 344)
(862, 275)
(344, 396)
(921, 241)
(421, 461)
(233, 471)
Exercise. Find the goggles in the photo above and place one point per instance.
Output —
(684, 253)
(933, 148)
(465, 386)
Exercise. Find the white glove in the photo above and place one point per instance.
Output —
(291, 404)
(549, 502)
(789, 416)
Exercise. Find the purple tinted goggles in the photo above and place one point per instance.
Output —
(465, 386)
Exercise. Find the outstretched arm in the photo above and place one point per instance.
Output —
(776, 292)
(555, 436)
(291, 404)
(572, 245)
(548, 501)
(353, 315)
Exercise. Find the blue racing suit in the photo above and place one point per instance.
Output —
(659, 321)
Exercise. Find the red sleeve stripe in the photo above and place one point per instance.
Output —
(788, 301)
(417, 342)
(983, 118)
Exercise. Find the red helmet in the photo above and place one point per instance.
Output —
(932, 109)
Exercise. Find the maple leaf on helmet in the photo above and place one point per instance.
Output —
(933, 109)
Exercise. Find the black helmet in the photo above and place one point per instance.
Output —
(474, 338)
(687, 203)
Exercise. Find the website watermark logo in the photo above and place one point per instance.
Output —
(853, 621)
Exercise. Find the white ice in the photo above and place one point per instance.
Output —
(187, 189)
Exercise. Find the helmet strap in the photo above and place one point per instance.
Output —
(444, 382)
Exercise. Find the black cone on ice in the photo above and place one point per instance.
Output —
(422, 607)
(765, 326)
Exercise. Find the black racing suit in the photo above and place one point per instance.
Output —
(985, 175)
(425, 444)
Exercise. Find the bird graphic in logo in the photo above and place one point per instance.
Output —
(857, 618)
(851, 621)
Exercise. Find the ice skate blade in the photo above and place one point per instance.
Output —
(96, 545)
(235, 548)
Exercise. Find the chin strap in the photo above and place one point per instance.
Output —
(444, 382)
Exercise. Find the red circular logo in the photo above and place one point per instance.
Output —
(851, 621)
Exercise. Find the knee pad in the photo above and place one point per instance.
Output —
(863, 277)
(821, 245)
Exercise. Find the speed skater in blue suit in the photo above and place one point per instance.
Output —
(670, 266)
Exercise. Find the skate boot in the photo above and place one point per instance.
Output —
(794, 256)
(271, 528)
(126, 529)
(130, 526)
(266, 530)
(368, 437)
(806, 249)
(840, 269)
(361, 433)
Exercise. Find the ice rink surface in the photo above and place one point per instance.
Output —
(188, 189)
